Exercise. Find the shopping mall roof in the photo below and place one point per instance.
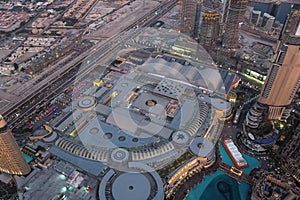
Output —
(136, 186)
(201, 147)
(135, 116)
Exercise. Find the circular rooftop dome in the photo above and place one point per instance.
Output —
(202, 147)
(131, 185)
(87, 103)
(119, 155)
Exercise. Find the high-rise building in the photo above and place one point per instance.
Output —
(11, 158)
(235, 13)
(255, 17)
(210, 27)
(291, 26)
(197, 18)
(279, 10)
(190, 17)
(225, 10)
(267, 22)
(274, 9)
(283, 78)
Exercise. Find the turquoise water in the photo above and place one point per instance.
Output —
(197, 192)
(219, 186)
(222, 187)
(27, 157)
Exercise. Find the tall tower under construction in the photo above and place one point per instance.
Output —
(283, 78)
(225, 10)
(235, 12)
(190, 17)
(210, 27)
(11, 158)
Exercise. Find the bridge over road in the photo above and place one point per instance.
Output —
(236, 173)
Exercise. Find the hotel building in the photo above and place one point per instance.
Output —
(283, 78)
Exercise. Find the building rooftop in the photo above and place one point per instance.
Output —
(136, 186)
(54, 183)
(262, 48)
(269, 16)
(201, 147)
(135, 115)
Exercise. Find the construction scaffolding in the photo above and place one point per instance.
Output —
(190, 17)
(235, 13)
(210, 27)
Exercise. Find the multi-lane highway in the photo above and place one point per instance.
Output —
(85, 62)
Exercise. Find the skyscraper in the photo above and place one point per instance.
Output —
(190, 17)
(11, 158)
(274, 8)
(291, 25)
(197, 18)
(267, 22)
(210, 27)
(279, 10)
(234, 14)
(254, 17)
(283, 78)
(225, 10)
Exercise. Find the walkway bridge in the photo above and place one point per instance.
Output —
(236, 173)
